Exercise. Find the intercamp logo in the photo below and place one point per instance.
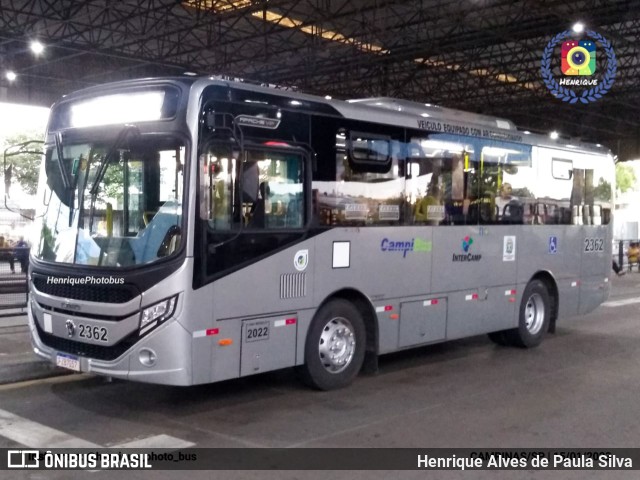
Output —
(466, 243)
(466, 256)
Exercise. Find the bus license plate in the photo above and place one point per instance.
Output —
(256, 331)
(68, 361)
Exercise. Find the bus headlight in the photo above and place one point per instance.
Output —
(157, 313)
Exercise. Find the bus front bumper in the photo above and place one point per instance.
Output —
(162, 357)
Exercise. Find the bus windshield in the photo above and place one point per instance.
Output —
(114, 203)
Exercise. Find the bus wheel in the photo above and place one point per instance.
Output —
(535, 313)
(335, 346)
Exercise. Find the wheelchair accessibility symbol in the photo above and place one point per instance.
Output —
(553, 245)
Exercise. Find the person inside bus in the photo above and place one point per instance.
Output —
(509, 206)
(260, 207)
(504, 197)
(429, 209)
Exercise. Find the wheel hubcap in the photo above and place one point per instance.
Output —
(534, 314)
(337, 345)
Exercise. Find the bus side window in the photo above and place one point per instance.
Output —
(272, 190)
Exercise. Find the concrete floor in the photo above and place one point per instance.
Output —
(580, 388)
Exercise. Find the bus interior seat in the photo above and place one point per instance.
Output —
(513, 212)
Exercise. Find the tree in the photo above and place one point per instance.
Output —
(24, 167)
(625, 177)
(603, 190)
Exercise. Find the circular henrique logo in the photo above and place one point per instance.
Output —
(301, 260)
(581, 80)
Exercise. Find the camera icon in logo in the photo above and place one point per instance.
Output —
(578, 58)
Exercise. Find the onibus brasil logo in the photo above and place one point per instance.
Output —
(577, 61)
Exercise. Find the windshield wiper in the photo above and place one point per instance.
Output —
(102, 169)
(66, 180)
(113, 150)
(64, 173)
(104, 165)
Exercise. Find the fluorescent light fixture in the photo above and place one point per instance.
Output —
(120, 108)
(497, 151)
(578, 27)
(36, 47)
(295, 102)
(425, 115)
(441, 145)
(554, 135)
(11, 75)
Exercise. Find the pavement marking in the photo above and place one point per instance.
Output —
(156, 441)
(35, 435)
(621, 303)
(49, 380)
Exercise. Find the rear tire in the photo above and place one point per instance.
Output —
(534, 317)
(335, 346)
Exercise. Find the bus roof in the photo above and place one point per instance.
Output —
(424, 116)
(383, 110)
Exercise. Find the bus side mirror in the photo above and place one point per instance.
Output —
(170, 242)
(7, 178)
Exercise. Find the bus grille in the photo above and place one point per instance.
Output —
(88, 293)
(293, 285)
(98, 352)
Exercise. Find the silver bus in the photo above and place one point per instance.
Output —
(193, 230)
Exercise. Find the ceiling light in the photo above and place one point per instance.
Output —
(527, 132)
(554, 135)
(36, 47)
(11, 75)
(578, 27)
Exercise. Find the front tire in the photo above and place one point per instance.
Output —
(335, 346)
(534, 317)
